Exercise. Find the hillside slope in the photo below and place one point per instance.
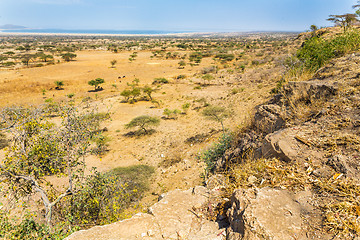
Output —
(294, 171)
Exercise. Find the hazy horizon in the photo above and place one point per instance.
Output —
(162, 15)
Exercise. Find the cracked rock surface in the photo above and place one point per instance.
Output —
(172, 217)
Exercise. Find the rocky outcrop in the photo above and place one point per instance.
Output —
(316, 122)
(268, 118)
(327, 136)
(265, 214)
(173, 217)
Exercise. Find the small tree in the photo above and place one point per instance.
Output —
(196, 57)
(40, 148)
(143, 123)
(216, 113)
(44, 57)
(96, 83)
(68, 56)
(358, 10)
(113, 63)
(26, 59)
(345, 21)
(171, 113)
(182, 64)
(313, 29)
(135, 92)
(207, 77)
(148, 91)
(126, 94)
(59, 85)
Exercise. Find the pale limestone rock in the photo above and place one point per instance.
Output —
(264, 214)
(170, 218)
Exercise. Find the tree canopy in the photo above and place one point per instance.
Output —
(96, 83)
(143, 123)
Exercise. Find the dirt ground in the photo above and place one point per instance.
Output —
(25, 86)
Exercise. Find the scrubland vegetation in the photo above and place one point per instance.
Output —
(50, 183)
(39, 146)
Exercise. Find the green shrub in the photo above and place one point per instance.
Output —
(171, 114)
(226, 57)
(8, 64)
(136, 176)
(101, 144)
(160, 81)
(185, 107)
(316, 51)
(29, 229)
(181, 76)
(237, 90)
(106, 197)
(216, 151)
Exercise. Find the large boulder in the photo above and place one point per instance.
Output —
(268, 118)
(173, 217)
(265, 214)
(280, 144)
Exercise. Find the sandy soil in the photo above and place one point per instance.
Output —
(24, 86)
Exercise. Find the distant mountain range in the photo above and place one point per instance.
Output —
(11, 26)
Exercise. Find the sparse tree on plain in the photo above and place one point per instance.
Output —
(59, 85)
(148, 91)
(96, 83)
(68, 56)
(113, 63)
(143, 122)
(216, 113)
(182, 64)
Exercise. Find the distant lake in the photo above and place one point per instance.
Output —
(146, 32)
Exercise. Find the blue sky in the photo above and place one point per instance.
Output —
(190, 15)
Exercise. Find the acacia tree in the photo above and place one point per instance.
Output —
(357, 6)
(216, 113)
(96, 83)
(143, 123)
(68, 56)
(45, 57)
(59, 85)
(345, 21)
(113, 63)
(26, 58)
(41, 148)
(148, 91)
(313, 29)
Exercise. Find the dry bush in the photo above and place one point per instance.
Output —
(336, 196)
(173, 157)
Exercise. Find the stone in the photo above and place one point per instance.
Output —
(264, 214)
(268, 118)
(278, 145)
(169, 218)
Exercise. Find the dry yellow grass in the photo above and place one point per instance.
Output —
(25, 85)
